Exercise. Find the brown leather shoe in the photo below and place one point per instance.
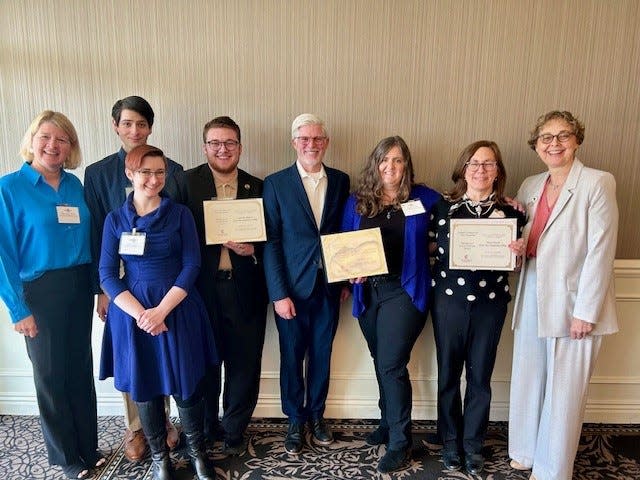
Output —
(173, 437)
(135, 445)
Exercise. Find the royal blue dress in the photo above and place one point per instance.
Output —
(174, 362)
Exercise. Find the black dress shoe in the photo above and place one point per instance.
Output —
(474, 463)
(393, 460)
(293, 440)
(379, 436)
(451, 460)
(321, 432)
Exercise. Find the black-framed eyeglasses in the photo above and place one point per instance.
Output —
(562, 137)
(230, 145)
(475, 166)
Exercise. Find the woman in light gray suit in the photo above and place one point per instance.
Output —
(565, 301)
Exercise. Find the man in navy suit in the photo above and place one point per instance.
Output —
(301, 203)
(231, 282)
(105, 189)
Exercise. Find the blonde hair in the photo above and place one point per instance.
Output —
(62, 122)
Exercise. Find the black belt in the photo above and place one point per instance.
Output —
(376, 280)
(224, 274)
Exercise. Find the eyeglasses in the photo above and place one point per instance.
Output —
(562, 137)
(475, 166)
(307, 140)
(230, 145)
(146, 173)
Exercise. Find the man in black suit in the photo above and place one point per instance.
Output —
(231, 281)
(301, 203)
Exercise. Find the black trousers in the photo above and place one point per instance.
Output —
(62, 303)
(239, 340)
(391, 325)
(467, 335)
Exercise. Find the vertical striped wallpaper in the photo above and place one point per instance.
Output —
(441, 73)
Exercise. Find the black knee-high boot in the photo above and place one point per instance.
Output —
(192, 419)
(153, 421)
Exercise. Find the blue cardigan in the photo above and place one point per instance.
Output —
(416, 276)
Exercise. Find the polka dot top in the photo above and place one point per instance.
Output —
(468, 285)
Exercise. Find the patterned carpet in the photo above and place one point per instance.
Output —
(606, 452)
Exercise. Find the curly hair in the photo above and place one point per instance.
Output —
(460, 184)
(576, 125)
(369, 192)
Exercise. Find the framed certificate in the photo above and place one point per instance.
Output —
(234, 220)
(353, 254)
(482, 243)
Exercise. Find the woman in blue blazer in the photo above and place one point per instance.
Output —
(392, 308)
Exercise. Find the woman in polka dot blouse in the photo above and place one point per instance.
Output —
(469, 307)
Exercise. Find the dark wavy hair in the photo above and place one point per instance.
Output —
(460, 184)
(369, 191)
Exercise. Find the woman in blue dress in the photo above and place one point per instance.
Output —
(157, 338)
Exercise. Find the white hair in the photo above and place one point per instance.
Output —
(306, 119)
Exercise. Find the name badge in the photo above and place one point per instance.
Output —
(132, 243)
(412, 207)
(68, 214)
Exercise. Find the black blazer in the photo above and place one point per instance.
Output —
(195, 186)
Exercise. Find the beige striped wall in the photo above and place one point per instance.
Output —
(440, 73)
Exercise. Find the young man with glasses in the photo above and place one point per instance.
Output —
(302, 202)
(105, 188)
(232, 284)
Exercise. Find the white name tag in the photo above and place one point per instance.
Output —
(132, 243)
(68, 214)
(412, 207)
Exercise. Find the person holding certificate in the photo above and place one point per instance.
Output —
(469, 306)
(565, 302)
(44, 282)
(232, 285)
(392, 308)
(157, 339)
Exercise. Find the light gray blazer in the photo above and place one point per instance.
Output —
(574, 263)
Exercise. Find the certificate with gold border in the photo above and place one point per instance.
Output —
(482, 243)
(353, 254)
(234, 220)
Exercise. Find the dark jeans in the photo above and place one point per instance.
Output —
(62, 303)
(391, 325)
(309, 334)
(466, 334)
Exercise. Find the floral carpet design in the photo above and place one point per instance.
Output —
(606, 452)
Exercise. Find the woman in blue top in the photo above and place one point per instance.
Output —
(44, 281)
(469, 306)
(392, 308)
(157, 338)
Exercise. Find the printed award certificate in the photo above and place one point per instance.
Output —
(234, 220)
(353, 254)
(482, 244)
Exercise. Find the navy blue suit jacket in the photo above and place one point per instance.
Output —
(292, 254)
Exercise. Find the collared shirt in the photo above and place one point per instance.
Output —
(315, 184)
(32, 241)
(225, 191)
